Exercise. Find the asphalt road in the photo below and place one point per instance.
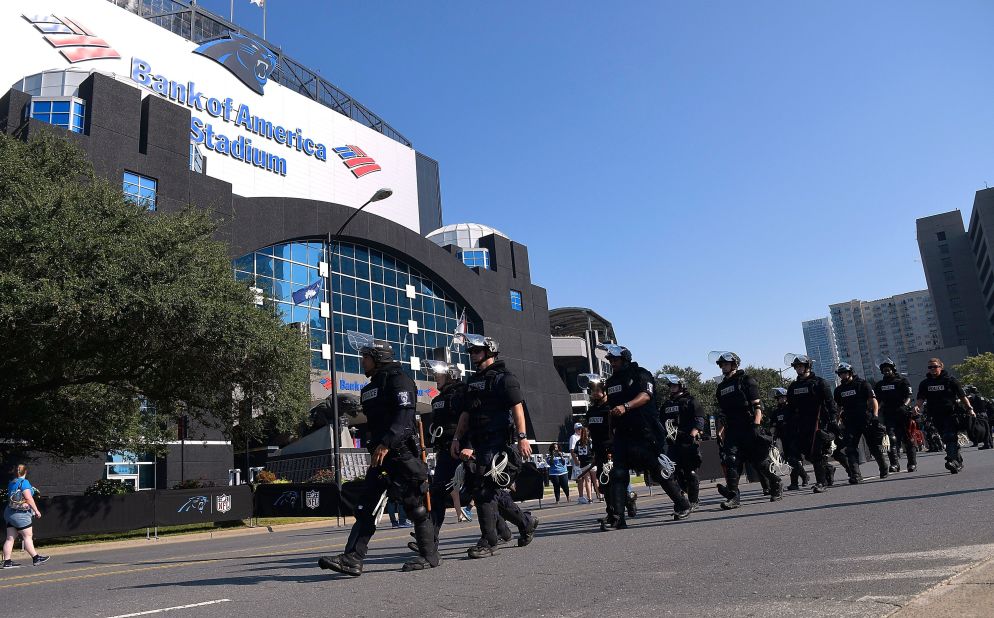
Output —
(855, 551)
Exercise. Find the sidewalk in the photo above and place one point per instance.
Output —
(967, 594)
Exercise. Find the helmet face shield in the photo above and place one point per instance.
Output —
(672, 380)
(360, 341)
(884, 362)
(588, 380)
(790, 359)
(723, 356)
(779, 392)
(437, 368)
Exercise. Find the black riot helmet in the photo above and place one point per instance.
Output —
(616, 351)
(438, 368)
(887, 362)
(673, 380)
(793, 360)
(719, 357)
(380, 351)
(970, 389)
(489, 345)
(587, 381)
(779, 392)
(845, 368)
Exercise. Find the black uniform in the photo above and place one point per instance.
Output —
(811, 402)
(894, 393)
(388, 402)
(786, 429)
(941, 395)
(743, 440)
(853, 398)
(490, 395)
(982, 425)
(639, 438)
(688, 415)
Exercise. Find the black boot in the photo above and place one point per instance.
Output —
(804, 475)
(794, 477)
(424, 537)
(776, 488)
(630, 505)
(347, 563)
(829, 475)
(482, 550)
(527, 535)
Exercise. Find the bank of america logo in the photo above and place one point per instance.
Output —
(356, 160)
(72, 39)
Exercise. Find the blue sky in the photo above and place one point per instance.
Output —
(704, 175)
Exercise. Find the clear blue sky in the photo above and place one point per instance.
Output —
(704, 174)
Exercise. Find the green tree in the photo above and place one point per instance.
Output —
(768, 379)
(978, 371)
(104, 305)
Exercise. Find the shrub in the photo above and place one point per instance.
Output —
(265, 476)
(193, 484)
(325, 475)
(109, 487)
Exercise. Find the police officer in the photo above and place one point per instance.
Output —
(445, 410)
(894, 394)
(639, 437)
(388, 402)
(860, 418)
(785, 428)
(982, 408)
(689, 418)
(813, 406)
(493, 405)
(941, 391)
(740, 405)
(599, 428)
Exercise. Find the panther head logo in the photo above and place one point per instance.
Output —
(248, 59)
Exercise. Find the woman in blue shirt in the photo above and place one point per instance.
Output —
(558, 473)
(17, 514)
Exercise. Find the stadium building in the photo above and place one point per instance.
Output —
(182, 107)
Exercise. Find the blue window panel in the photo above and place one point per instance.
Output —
(376, 274)
(77, 124)
(379, 330)
(263, 265)
(390, 296)
(430, 339)
(429, 321)
(245, 263)
(393, 333)
(402, 279)
(361, 254)
(389, 262)
(298, 252)
(364, 309)
(389, 278)
(316, 339)
(362, 289)
(350, 323)
(317, 362)
(60, 106)
(282, 311)
(299, 314)
(77, 108)
(352, 364)
(348, 286)
(516, 303)
(41, 107)
(405, 316)
(266, 285)
(393, 313)
(337, 301)
(266, 250)
(244, 276)
(315, 319)
(301, 275)
(338, 325)
(377, 293)
(315, 255)
(364, 326)
(428, 305)
(281, 269)
(375, 257)
(362, 270)
(348, 267)
(281, 251)
(348, 305)
(348, 250)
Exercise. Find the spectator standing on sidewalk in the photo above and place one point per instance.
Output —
(558, 473)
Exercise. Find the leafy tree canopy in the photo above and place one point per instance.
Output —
(103, 305)
(978, 371)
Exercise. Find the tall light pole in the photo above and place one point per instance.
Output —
(382, 194)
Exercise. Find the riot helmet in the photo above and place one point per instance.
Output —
(616, 351)
(437, 368)
(779, 392)
(720, 357)
(844, 368)
(970, 389)
(379, 351)
(673, 380)
(792, 360)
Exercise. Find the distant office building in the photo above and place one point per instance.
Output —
(958, 271)
(867, 331)
(819, 345)
(576, 332)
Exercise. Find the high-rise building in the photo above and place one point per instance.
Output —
(867, 331)
(819, 345)
(958, 271)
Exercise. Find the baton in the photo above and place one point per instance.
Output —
(424, 454)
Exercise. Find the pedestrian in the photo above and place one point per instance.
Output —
(21, 505)
(812, 407)
(558, 473)
(639, 437)
(894, 393)
(583, 458)
(741, 407)
(576, 435)
(395, 468)
(943, 395)
(860, 419)
(494, 410)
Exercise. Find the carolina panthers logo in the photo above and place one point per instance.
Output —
(248, 59)
(196, 503)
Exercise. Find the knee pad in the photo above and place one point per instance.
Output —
(417, 513)
(618, 475)
(730, 460)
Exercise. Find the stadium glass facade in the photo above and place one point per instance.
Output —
(372, 292)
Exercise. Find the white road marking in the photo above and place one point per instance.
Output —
(169, 609)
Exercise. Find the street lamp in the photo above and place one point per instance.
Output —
(381, 194)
